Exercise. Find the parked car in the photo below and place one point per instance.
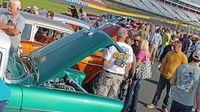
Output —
(72, 22)
(91, 65)
(30, 78)
(40, 31)
(33, 38)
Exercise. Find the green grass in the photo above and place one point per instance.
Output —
(51, 6)
(46, 4)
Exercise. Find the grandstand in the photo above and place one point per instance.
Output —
(184, 10)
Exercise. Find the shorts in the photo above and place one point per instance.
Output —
(152, 46)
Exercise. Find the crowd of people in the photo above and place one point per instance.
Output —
(179, 55)
(143, 44)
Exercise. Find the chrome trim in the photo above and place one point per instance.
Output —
(92, 64)
(30, 109)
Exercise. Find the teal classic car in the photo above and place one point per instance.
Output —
(43, 81)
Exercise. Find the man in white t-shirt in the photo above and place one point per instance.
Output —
(115, 67)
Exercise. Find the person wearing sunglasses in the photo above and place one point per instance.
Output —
(136, 45)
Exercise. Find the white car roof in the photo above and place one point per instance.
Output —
(67, 19)
(42, 20)
(5, 40)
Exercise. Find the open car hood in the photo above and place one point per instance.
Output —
(67, 51)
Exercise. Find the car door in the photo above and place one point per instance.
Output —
(14, 104)
(14, 73)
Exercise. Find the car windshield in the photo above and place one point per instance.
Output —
(15, 69)
(26, 32)
(47, 35)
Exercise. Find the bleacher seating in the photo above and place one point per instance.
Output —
(140, 5)
(180, 13)
(167, 8)
(198, 16)
(131, 3)
(159, 7)
(162, 9)
(150, 6)
(191, 15)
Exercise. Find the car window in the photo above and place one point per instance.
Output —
(26, 32)
(46, 35)
(15, 68)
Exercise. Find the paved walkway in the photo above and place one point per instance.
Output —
(147, 92)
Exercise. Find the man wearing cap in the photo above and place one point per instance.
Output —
(34, 10)
(186, 82)
(115, 67)
(12, 23)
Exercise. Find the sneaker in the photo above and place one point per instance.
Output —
(151, 106)
(165, 110)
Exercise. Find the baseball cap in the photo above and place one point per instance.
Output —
(196, 54)
(35, 9)
(175, 39)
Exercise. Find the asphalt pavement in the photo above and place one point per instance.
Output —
(147, 92)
